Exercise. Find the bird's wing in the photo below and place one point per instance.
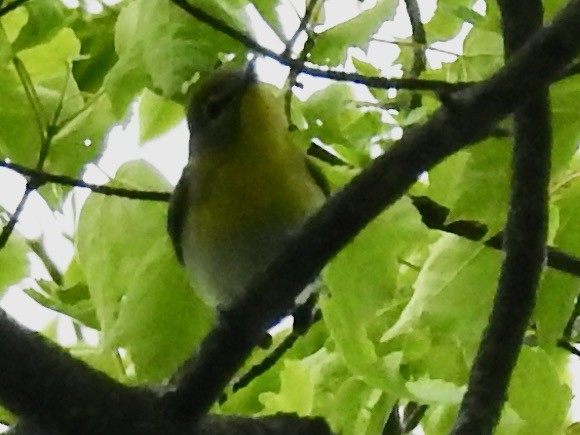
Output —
(317, 176)
(177, 212)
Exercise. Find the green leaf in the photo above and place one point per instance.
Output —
(445, 179)
(49, 61)
(12, 23)
(436, 391)
(564, 97)
(332, 44)
(349, 131)
(296, 391)
(447, 19)
(552, 7)
(457, 282)
(97, 37)
(362, 281)
(161, 47)
(48, 66)
(141, 295)
(541, 404)
(100, 359)
(83, 121)
(369, 70)
(482, 54)
(45, 19)
(71, 301)
(160, 319)
(13, 262)
(157, 115)
(559, 290)
(80, 140)
(486, 176)
(358, 407)
(18, 122)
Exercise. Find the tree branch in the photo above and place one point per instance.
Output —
(297, 64)
(419, 37)
(419, 44)
(524, 242)
(435, 215)
(54, 393)
(469, 118)
(301, 27)
(45, 177)
(563, 344)
(9, 227)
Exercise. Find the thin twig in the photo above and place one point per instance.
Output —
(419, 43)
(435, 215)
(51, 128)
(412, 44)
(569, 329)
(9, 227)
(305, 316)
(563, 344)
(373, 82)
(45, 177)
(418, 36)
(301, 27)
(304, 22)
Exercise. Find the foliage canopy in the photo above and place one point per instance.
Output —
(403, 306)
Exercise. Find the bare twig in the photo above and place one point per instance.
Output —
(435, 215)
(569, 329)
(301, 27)
(304, 22)
(419, 43)
(45, 177)
(305, 316)
(374, 82)
(9, 227)
(419, 37)
(563, 344)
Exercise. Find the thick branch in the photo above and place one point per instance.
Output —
(470, 117)
(54, 393)
(44, 385)
(524, 242)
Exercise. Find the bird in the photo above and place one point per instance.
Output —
(245, 188)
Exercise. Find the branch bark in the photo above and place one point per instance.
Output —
(524, 241)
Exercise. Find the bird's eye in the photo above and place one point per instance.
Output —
(216, 105)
